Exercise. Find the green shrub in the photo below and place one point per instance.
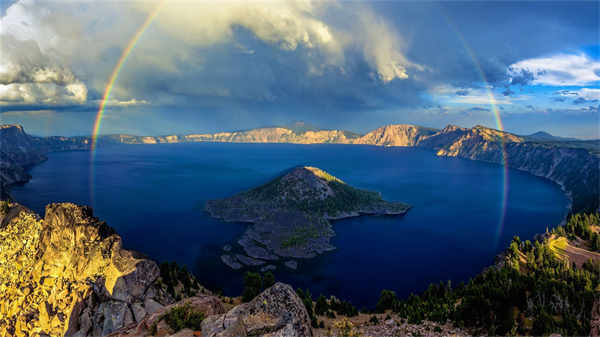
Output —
(321, 307)
(4, 207)
(268, 279)
(387, 299)
(184, 317)
(252, 286)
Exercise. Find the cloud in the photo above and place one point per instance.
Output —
(507, 92)
(292, 25)
(233, 52)
(474, 96)
(127, 103)
(557, 70)
(579, 96)
(29, 76)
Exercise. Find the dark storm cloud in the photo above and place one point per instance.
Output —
(455, 42)
(523, 77)
(246, 81)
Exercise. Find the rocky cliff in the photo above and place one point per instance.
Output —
(67, 275)
(576, 170)
(395, 135)
(18, 151)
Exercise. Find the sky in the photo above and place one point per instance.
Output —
(207, 66)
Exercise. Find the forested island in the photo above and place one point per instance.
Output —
(291, 214)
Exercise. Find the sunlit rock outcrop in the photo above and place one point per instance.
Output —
(67, 275)
(276, 312)
(395, 135)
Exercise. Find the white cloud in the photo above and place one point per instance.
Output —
(583, 95)
(557, 70)
(130, 102)
(29, 76)
(70, 47)
(289, 25)
(589, 93)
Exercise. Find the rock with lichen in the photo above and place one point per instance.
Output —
(67, 275)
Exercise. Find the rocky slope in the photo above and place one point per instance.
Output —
(395, 135)
(390, 135)
(18, 151)
(576, 170)
(291, 214)
(276, 312)
(67, 275)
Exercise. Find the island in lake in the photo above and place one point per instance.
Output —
(291, 214)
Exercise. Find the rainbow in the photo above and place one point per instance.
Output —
(492, 102)
(494, 106)
(115, 73)
(109, 86)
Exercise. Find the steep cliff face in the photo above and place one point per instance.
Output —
(576, 170)
(67, 275)
(395, 135)
(17, 151)
(275, 135)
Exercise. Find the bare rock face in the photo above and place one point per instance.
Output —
(17, 150)
(278, 311)
(67, 275)
(395, 135)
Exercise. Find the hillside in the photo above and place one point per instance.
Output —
(575, 169)
(68, 275)
(19, 151)
(537, 288)
(291, 214)
(395, 135)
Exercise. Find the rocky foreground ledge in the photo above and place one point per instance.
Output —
(67, 275)
(291, 215)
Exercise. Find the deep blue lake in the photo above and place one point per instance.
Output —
(153, 196)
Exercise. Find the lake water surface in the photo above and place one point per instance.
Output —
(153, 196)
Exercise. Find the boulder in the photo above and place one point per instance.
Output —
(277, 311)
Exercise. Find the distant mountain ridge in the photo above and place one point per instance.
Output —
(574, 165)
(542, 136)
